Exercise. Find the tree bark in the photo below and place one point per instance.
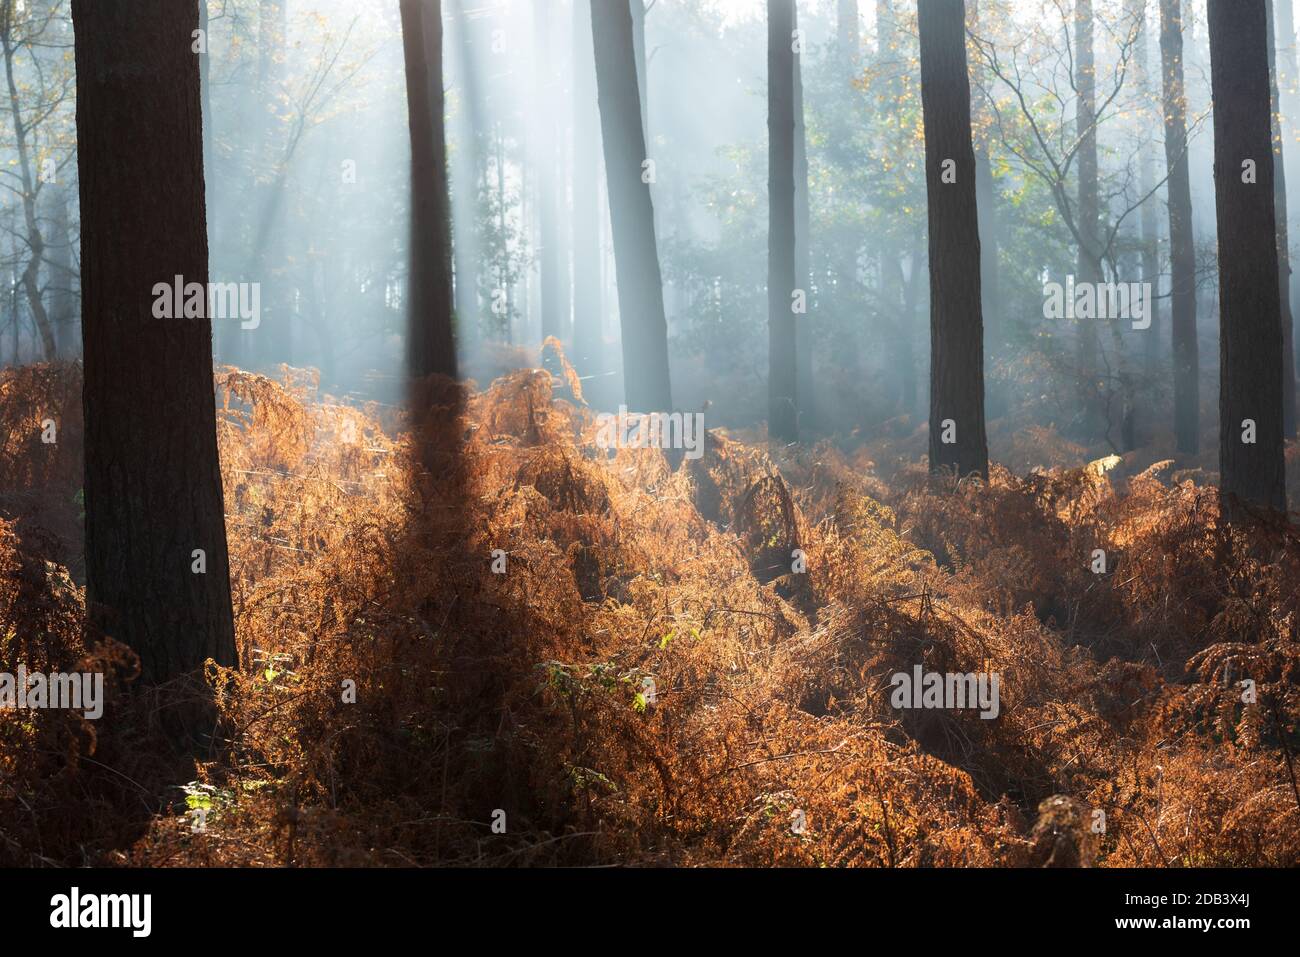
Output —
(956, 323)
(782, 383)
(430, 343)
(153, 485)
(1186, 350)
(646, 380)
(1250, 334)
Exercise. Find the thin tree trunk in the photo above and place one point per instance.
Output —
(957, 437)
(646, 380)
(153, 494)
(431, 346)
(1250, 333)
(805, 335)
(783, 419)
(1182, 251)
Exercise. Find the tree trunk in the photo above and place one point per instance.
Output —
(153, 485)
(956, 323)
(782, 387)
(646, 381)
(1250, 334)
(805, 335)
(1182, 255)
(1283, 241)
(430, 343)
(587, 345)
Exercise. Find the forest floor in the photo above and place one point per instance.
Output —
(473, 639)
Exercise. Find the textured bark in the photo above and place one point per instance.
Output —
(646, 380)
(1186, 351)
(782, 382)
(956, 323)
(430, 343)
(1283, 241)
(587, 351)
(1250, 334)
(153, 486)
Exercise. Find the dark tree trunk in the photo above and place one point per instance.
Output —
(1283, 242)
(782, 388)
(1182, 256)
(636, 258)
(430, 344)
(153, 486)
(805, 335)
(587, 351)
(956, 324)
(1250, 327)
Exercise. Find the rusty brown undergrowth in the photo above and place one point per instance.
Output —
(650, 681)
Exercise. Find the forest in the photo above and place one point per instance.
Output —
(649, 433)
